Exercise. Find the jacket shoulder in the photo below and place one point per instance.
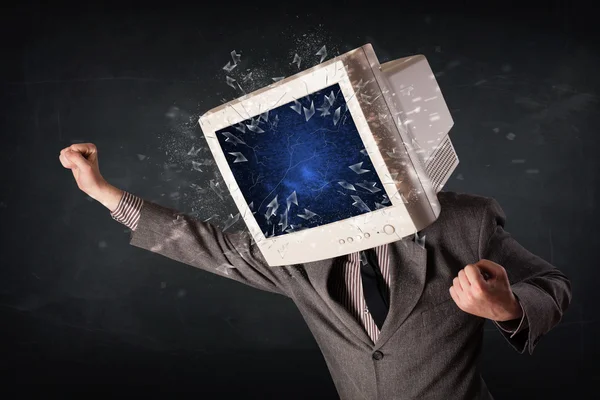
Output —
(464, 206)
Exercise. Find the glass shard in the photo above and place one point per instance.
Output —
(336, 116)
(230, 221)
(308, 113)
(229, 66)
(239, 157)
(240, 127)
(369, 186)
(322, 53)
(230, 81)
(225, 268)
(247, 77)
(272, 207)
(196, 166)
(193, 151)
(235, 57)
(232, 138)
(358, 203)
(283, 220)
(357, 168)
(331, 98)
(297, 60)
(278, 78)
(347, 185)
(291, 199)
(297, 107)
(307, 214)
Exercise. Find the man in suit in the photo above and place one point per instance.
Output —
(439, 292)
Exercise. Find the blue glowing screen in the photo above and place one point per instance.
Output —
(303, 164)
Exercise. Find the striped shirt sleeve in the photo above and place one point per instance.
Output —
(128, 210)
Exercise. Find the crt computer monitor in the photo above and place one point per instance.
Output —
(341, 157)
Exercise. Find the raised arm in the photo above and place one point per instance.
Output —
(174, 235)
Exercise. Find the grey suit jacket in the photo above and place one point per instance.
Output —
(428, 348)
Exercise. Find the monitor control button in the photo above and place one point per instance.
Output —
(389, 229)
(358, 237)
(342, 241)
(350, 240)
(367, 235)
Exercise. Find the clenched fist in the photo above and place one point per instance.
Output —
(82, 160)
(483, 289)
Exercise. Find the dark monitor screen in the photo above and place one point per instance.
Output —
(303, 164)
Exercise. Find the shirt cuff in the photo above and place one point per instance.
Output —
(509, 326)
(128, 210)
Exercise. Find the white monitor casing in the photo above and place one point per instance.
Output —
(403, 121)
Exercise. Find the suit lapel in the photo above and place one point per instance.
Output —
(408, 266)
(327, 276)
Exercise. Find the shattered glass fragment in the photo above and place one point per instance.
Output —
(278, 78)
(420, 240)
(322, 53)
(283, 220)
(331, 98)
(307, 214)
(358, 203)
(239, 157)
(297, 107)
(386, 199)
(230, 81)
(324, 111)
(216, 188)
(240, 127)
(308, 113)
(230, 221)
(255, 128)
(229, 66)
(511, 136)
(357, 168)
(264, 116)
(225, 268)
(272, 207)
(196, 166)
(291, 199)
(297, 60)
(141, 156)
(211, 217)
(232, 138)
(235, 57)
(193, 151)
(247, 77)
(364, 151)
(369, 186)
(379, 205)
(347, 185)
(336, 116)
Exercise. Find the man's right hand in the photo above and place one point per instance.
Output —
(82, 160)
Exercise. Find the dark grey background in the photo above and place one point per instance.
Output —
(80, 305)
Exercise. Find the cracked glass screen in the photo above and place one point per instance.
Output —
(303, 164)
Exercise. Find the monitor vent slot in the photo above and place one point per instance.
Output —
(441, 164)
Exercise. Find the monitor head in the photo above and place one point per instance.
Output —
(328, 162)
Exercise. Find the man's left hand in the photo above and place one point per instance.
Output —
(483, 289)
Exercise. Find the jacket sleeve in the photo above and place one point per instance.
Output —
(199, 244)
(542, 290)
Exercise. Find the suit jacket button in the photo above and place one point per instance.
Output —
(377, 355)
